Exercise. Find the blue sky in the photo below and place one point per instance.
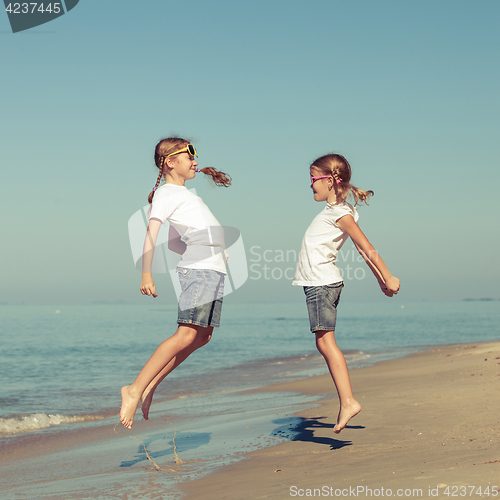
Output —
(407, 91)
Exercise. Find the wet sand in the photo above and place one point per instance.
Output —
(430, 426)
(185, 439)
(428, 420)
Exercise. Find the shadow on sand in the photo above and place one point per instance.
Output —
(302, 429)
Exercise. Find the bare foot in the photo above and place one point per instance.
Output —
(129, 406)
(146, 400)
(345, 414)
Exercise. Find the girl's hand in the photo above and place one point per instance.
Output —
(385, 290)
(148, 286)
(391, 286)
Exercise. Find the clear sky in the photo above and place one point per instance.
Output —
(408, 91)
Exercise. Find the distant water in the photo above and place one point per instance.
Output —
(65, 365)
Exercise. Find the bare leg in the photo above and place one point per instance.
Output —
(349, 407)
(185, 336)
(147, 395)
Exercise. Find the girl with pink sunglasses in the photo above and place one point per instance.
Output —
(317, 273)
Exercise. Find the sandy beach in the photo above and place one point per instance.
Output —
(429, 427)
(429, 422)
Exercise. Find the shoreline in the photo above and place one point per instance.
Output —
(251, 443)
(242, 377)
(430, 423)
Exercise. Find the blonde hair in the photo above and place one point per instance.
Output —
(338, 167)
(171, 145)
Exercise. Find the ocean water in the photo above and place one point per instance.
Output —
(63, 367)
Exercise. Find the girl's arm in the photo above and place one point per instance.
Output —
(375, 272)
(388, 282)
(148, 286)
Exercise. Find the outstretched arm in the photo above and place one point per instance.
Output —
(388, 283)
(148, 286)
(375, 272)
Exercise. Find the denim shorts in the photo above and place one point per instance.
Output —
(200, 302)
(322, 304)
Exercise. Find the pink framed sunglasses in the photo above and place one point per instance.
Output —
(317, 177)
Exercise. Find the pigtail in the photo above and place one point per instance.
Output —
(343, 190)
(158, 180)
(338, 167)
(219, 178)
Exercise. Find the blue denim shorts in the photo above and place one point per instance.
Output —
(200, 302)
(322, 304)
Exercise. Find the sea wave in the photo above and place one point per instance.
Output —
(356, 356)
(36, 421)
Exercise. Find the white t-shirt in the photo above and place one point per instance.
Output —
(197, 226)
(320, 247)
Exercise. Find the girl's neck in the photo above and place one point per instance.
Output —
(177, 181)
(332, 199)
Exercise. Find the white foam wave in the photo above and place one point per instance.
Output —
(356, 357)
(38, 421)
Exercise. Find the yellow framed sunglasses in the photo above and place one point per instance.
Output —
(189, 149)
